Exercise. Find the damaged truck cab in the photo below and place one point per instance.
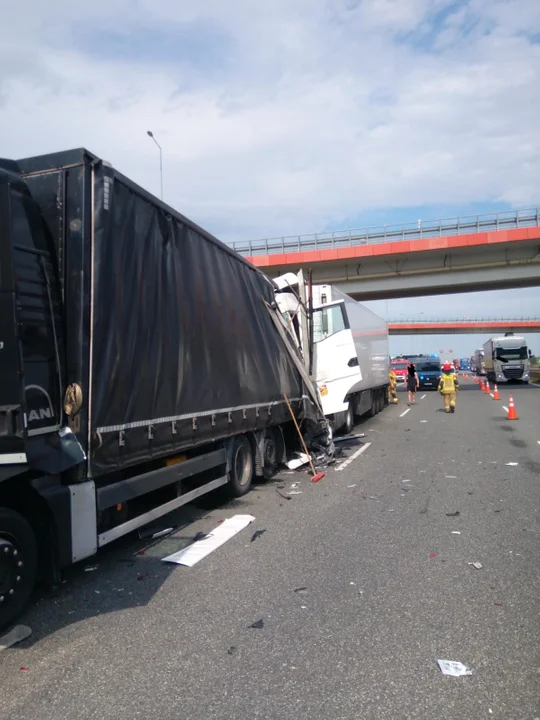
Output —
(142, 365)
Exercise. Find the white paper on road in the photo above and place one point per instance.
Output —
(454, 668)
(200, 549)
(298, 461)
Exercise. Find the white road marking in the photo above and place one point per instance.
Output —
(348, 461)
(406, 411)
(423, 396)
(491, 394)
(505, 408)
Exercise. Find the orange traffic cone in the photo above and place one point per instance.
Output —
(496, 393)
(512, 410)
(475, 379)
(488, 392)
(481, 381)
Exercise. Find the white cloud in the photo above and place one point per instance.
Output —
(307, 112)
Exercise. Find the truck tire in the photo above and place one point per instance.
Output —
(18, 564)
(374, 409)
(241, 466)
(349, 419)
(381, 400)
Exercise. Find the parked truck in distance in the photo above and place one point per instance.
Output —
(142, 364)
(345, 346)
(479, 364)
(506, 358)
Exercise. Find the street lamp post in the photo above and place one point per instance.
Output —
(151, 134)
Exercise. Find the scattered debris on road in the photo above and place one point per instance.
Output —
(24, 669)
(153, 534)
(450, 477)
(91, 568)
(14, 636)
(298, 461)
(512, 464)
(433, 555)
(295, 492)
(456, 532)
(300, 590)
(198, 550)
(257, 534)
(453, 514)
(453, 668)
(257, 625)
(346, 438)
(476, 565)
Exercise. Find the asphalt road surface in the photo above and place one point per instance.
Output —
(388, 590)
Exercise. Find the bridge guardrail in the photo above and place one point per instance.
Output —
(378, 234)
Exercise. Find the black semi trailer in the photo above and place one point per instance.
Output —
(140, 366)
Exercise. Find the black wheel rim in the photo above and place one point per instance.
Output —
(11, 567)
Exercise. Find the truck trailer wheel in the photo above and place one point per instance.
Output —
(18, 564)
(241, 464)
(381, 400)
(349, 419)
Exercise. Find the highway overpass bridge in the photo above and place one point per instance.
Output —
(462, 326)
(463, 254)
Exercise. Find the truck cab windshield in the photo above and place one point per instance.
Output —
(506, 354)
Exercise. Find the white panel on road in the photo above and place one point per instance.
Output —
(199, 550)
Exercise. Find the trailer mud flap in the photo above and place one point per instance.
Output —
(83, 520)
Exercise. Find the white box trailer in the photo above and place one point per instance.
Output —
(506, 358)
(344, 345)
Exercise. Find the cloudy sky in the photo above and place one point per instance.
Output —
(289, 116)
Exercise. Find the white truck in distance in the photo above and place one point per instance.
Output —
(344, 346)
(479, 362)
(507, 358)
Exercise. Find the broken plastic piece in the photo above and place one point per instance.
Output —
(257, 625)
(476, 565)
(433, 555)
(231, 650)
(298, 461)
(512, 464)
(453, 514)
(91, 568)
(295, 492)
(300, 589)
(257, 534)
(197, 551)
(456, 532)
(18, 633)
(24, 668)
(453, 668)
(350, 437)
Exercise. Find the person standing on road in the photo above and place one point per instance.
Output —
(412, 383)
(392, 387)
(448, 386)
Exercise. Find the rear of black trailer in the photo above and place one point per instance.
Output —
(146, 365)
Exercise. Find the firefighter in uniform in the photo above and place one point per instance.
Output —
(448, 385)
(392, 387)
